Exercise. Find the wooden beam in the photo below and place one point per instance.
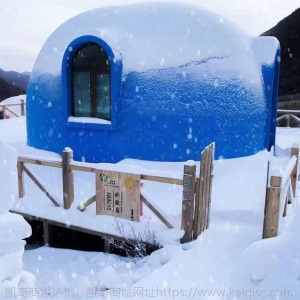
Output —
(11, 104)
(39, 185)
(162, 179)
(12, 112)
(40, 162)
(156, 210)
(86, 203)
(76, 167)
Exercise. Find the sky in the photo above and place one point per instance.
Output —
(26, 25)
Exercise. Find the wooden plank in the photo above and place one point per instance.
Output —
(40, 162)
(67, 177)
(285, 206)
(210, 174)
(203, 191)
(20, 168)
(206, 186)
(12, 104)
(272, 208)
(82, 206)
(197, 209)
(293, 176)
(82, 168)
(39, 185)
(69, 226)
(156, 210)
(118, 194)
(12, 112)
(188, 198)
(162, 179)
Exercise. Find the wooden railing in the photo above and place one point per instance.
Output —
(289, 116)
(281, 189)
(196, 191)
(5, 108)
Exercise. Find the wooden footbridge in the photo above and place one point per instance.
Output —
(117, 194)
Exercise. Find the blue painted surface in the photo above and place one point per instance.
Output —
(166, 114)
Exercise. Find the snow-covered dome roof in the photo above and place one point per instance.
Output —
(160, 35)
(181, 74)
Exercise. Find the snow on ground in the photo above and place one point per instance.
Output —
(228, 261)
(13, 228)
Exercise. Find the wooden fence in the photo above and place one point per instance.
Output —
(5, 108)
(281, 189)
(196, 190)
(196, 205)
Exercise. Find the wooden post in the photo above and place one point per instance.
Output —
(20, 179)
(22, 108)
(4, 112)
(272, 208)
(68, 181)
(294, 151)
(46, 233)
(288, 121)
(107, 245)
(188, 198)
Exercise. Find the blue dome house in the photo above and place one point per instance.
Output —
(153, 81)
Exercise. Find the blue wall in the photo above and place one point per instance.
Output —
(166, 115)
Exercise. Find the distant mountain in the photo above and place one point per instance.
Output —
(7, 90)
(19, 80)
(287, 32)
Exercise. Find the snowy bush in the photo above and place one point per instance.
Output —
(136, 244)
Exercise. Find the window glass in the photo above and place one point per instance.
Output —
(91, 83)
(103, 96)
(81, 94)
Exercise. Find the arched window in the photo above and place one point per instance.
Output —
(91, 82)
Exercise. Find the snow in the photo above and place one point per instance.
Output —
(13, 228)
(8, 175)
(230, 258)
(84, 120)
(203, 35)
(264, 49)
